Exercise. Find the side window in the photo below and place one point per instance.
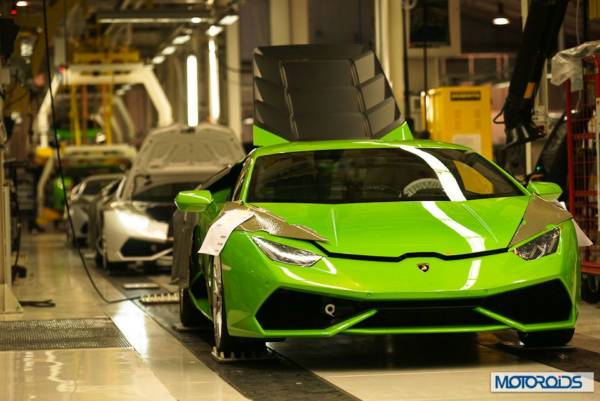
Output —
(237, 190)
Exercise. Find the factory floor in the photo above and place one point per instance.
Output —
(86, 349)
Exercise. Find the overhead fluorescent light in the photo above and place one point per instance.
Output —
(501, 21)
(158, 59)
(181, 39)
(192, 90)
(161, 16)
(500, 18)
(168, 50)
(229, 19)
(213, 74)
(214, 30)
(22, 3)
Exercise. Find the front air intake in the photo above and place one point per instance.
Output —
(294, 310)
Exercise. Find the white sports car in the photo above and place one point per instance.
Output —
(135, 224)
(80, 199)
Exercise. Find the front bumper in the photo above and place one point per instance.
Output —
(494, 292)
(124, 241)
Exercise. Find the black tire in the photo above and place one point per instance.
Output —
(590, 289)
(225, 343)
(112, 267)
(98, 259)
(71, 239)
(189, 314)
(98, 249)
(551, 338)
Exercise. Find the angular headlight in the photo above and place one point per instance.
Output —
(286, 254)
(543, 245)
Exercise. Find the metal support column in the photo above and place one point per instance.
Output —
(234, 79)
(389, 44)
(8, 302)
(299, 21)
(288, 22)
(528, 158)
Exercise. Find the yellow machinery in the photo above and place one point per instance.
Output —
(461, 115)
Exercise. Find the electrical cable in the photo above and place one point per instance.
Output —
(496, 120)
(61, 171)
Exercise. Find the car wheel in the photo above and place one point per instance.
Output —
(112, 267)
(189, 314)
(98, 248)
(98, 258)
(71, 239)
(551, 338)
(590, 288)
(225, 343)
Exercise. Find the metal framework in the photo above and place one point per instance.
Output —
(104, 74)
(583, 149)
(8, 302)
(82, 154)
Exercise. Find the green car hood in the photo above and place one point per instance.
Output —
(392, 229)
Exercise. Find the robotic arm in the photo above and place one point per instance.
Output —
(543, 23)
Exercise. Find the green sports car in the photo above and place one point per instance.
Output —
(381, 237)
(374, 234)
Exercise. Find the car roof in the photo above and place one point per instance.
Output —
(303, 146)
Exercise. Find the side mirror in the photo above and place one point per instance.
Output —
(546, 190)
(193, 201)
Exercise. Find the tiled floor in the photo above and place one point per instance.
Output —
(159, 367)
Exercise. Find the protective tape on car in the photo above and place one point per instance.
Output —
(250, 218)
(264, 220)
(539, 214)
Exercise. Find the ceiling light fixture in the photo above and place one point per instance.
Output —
(158, 59)
(22, 3)
(229, 19)
(213, 88)
(153, 16)
(168, 50)
(500, 18)
(192, 90)
(214, 30)
(181, 39)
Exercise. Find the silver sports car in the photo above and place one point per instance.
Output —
(135, 223)
(80, 200)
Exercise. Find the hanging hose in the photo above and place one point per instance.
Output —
(61, 172)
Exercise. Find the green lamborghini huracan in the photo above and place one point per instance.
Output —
(369, 232)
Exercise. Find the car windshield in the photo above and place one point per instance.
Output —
(406, 173)
(163, 193)
(94, 187)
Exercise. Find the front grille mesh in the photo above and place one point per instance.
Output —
(135, 247)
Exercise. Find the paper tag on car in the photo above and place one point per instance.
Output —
(221, 229)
